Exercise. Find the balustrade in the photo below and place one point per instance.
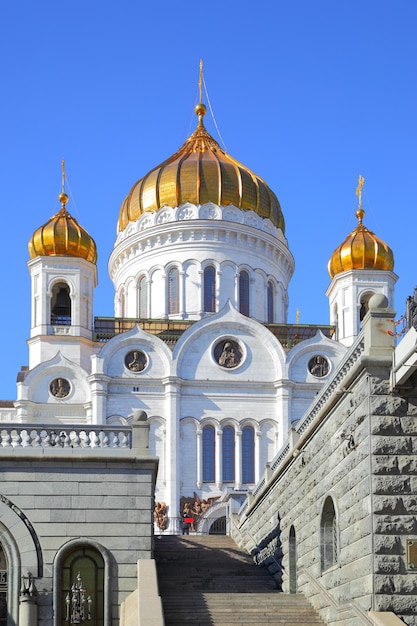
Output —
(27, 436)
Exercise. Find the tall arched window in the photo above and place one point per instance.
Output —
(244, 293)
(209, 289)
(173, 290)
(270, 302)
(292, 558)
(61, 305)
(209, 449)
(248, 455)
(328, 532)
(228, 449)
(86, 563)
(143, 297)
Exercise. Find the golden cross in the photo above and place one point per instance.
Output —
(361, 180)
(63, 175)
(200, 81)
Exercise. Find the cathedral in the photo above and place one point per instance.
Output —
(199, 354)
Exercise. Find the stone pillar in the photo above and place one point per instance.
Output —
(140, 433)
(28, 602)
(378, 329)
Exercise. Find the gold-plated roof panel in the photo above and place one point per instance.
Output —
(62, 236)
(199, 172)
(362, 249)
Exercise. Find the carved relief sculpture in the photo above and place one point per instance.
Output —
(60, 388)
(318, 366)
(228, 354)
(135, 361)
(160, 515)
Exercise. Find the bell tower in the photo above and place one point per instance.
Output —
(63, 273)
(359, 268)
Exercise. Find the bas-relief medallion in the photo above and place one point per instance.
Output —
(135, 361)
(60, 388)
(318, 366)
(228, 353)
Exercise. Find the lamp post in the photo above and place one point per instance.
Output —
(78, 603)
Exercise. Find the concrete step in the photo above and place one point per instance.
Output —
(209, 581)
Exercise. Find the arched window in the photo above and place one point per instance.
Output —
(328, 538)
(85, 564)
(228, 449)
(244, 293)
(143, 298)
(61, 305)
(364, 304)
(173, 291)
(209, 448)
(209, 289)
(248, 455)
(270, 302)
(292, 558)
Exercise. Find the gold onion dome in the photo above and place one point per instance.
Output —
(361, 250)
(201, 171)
(62, 235)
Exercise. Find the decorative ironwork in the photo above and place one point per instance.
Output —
(78, 603)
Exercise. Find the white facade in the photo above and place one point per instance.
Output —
(349, 294)
(222, 391)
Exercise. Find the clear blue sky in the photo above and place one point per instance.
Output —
(308, 94)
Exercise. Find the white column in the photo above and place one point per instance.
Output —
(148, 297)
(173, 446)
(99, 389)
(258, 468)
(199, 435)
(238, 459)
(201, 275)
(182, 293)
(219, 459)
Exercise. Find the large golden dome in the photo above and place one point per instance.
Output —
(62, 236)
(201, 171)
(361, 250)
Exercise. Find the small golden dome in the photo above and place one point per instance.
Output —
(361, 250)
(62, 236)
(201, 171)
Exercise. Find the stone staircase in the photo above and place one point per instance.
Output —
(208, 581)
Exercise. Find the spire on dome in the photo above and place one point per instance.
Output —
(201, 109)
(362, 249)
(201, 171)
(63, 198)
(62, 235)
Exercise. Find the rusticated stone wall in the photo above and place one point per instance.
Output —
(362, 452)
(394, 456)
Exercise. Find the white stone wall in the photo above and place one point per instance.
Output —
(230, 240)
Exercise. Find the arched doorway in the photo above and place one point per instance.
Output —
(219, 526)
